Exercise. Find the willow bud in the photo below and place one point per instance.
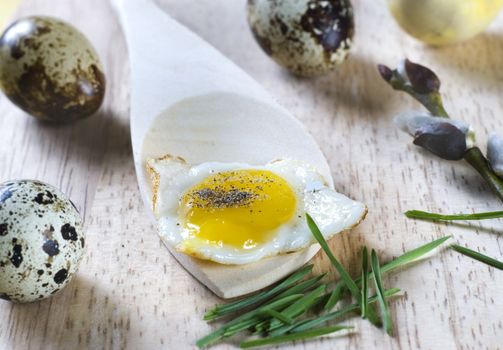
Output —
(385, 72)
(422, 79)
(495, 153)
(446, 138)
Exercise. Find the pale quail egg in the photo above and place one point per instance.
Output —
(50, 70)
(443, 22)
(236, 213)
(308, 37)
(41, 240)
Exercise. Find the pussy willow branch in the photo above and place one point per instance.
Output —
(432, 101)
(476, 159)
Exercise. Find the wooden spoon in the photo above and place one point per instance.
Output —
(188, 100)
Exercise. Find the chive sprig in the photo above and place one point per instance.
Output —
(301, 307)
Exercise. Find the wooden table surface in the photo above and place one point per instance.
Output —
(130, 293)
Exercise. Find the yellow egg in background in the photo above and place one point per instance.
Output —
(7, 8)
(443, 22)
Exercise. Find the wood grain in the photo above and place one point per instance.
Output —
(131, 294)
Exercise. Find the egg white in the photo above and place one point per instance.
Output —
(332, 211)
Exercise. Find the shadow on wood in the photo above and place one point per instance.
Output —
(67, 156)
(355, 84)
(91, 317)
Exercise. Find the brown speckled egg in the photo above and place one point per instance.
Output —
(308, 37)
(41, 240)
(50, 70)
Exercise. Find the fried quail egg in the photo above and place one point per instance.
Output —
(41, 240)
(307, 37)
(236, 213)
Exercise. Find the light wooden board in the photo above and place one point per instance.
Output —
(130, 293)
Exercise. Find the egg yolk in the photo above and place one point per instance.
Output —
(239, 208)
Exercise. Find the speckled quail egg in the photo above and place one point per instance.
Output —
(50, 70)
(308, 37)
(41, 240)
